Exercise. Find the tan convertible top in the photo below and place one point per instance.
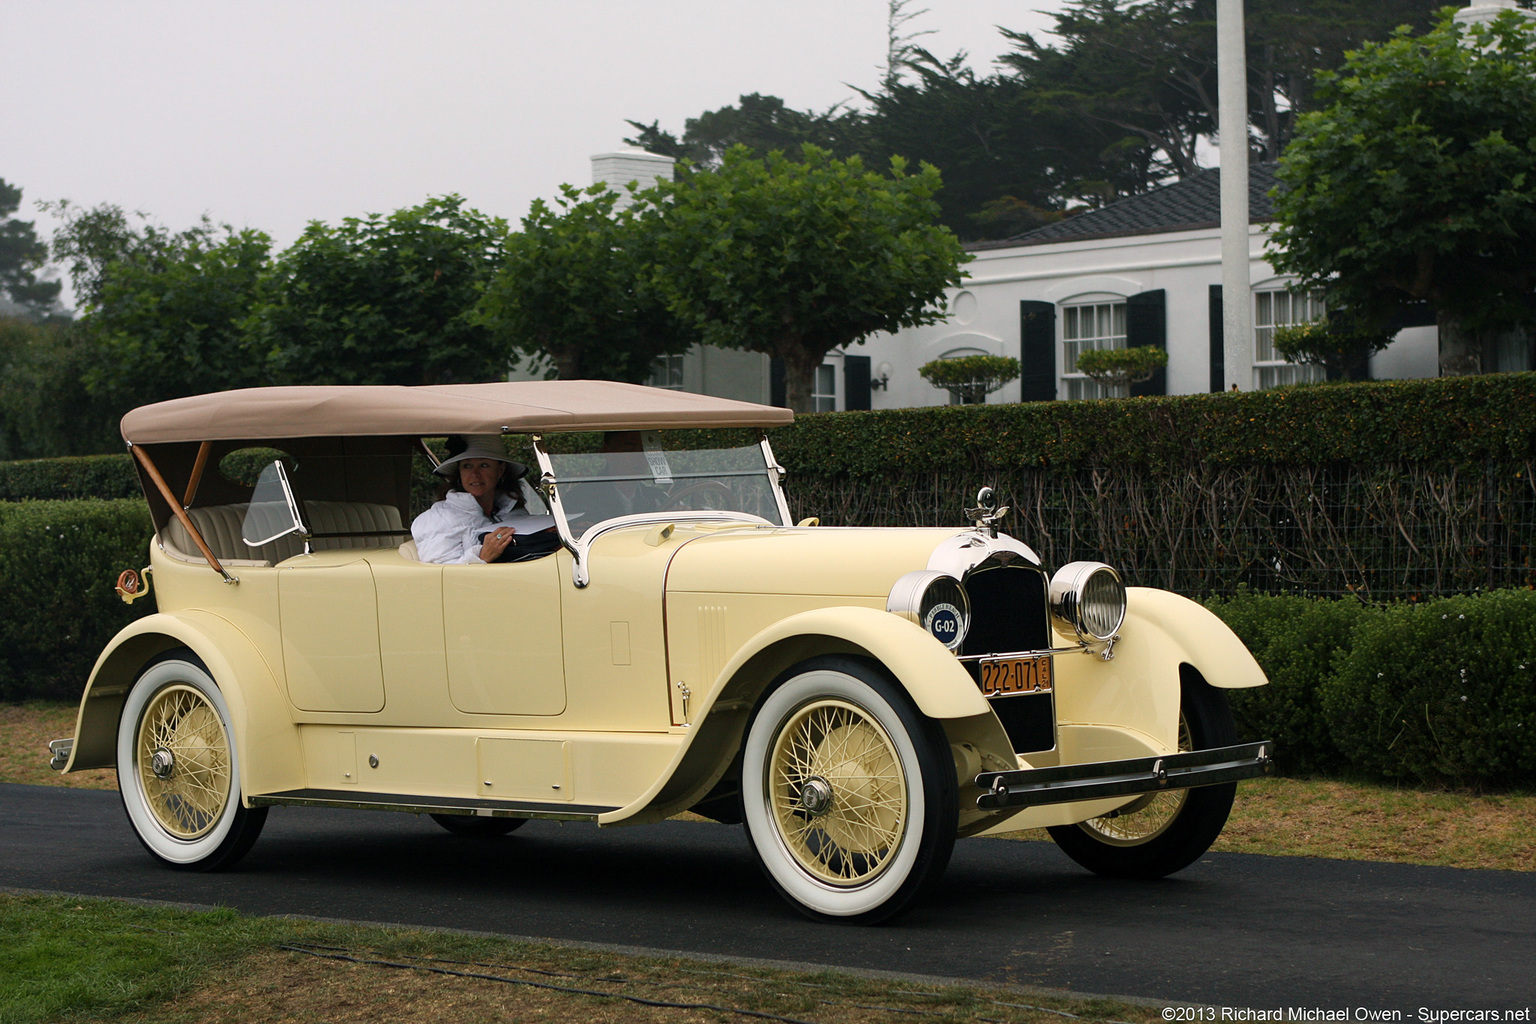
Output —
(517, 407)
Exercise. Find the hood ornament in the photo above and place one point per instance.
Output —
(986, 515)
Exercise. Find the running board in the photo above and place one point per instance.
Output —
(1031, 787)
(429, 804)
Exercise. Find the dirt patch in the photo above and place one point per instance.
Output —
(288, 986)
(25, 730)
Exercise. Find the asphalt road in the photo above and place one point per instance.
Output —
(1233, 930)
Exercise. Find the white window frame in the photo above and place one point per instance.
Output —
(1108, 331)
(1277, 306)
(824, 388)
(667, 373)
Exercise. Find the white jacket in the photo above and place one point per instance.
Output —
(450, 530)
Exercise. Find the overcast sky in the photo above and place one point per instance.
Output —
(270, 114)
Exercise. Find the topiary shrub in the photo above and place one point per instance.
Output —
(1442, 692)
(970, 378)
(59, 561)
(1296, 640)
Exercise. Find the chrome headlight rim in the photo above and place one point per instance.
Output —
(1088, 599)
(933, 600)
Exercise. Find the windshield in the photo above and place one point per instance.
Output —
(659, 472)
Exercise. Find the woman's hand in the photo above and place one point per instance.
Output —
(497, 542)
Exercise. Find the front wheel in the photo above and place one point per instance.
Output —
(1160, 833)
(178, 771)
(849, 792)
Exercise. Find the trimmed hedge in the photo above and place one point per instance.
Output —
(59, 561)
(1440, 692)
(1445, 420)
(81, 476)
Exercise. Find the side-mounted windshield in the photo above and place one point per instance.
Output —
(273, 511)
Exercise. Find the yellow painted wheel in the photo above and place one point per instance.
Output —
(1147, 817)
(849, 793)
(182, 758)
(1160, 833)
(177, 768)
(838, 792)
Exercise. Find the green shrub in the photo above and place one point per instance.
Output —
(83, 476)
(1440, 692)
(59, 561)
(1296, 641)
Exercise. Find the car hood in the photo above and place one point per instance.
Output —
(828, 561)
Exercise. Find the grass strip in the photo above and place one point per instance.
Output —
(74, 959)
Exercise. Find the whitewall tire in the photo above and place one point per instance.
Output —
(849, 792)
(178, 770)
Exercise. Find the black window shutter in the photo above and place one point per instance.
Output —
(856, 382)
(1146, 323)
(1218, 360)
(777, 394)
(1037, 346)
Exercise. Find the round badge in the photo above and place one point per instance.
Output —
(943, 621)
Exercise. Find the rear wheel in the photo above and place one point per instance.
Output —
(1160, 833)
(849, 792)
(178, 770)
(477, 827)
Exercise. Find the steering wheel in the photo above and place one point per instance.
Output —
(685, 499)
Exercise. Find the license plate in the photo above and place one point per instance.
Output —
(1008, 676)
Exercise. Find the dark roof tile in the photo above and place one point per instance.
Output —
(1186, 205)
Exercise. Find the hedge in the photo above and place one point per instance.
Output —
(59, 561)
(1441, 692)
(80, 476)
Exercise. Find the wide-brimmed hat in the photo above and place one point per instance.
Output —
(481, 446)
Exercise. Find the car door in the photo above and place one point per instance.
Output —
(502, 637)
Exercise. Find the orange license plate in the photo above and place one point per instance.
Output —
(1008, 676)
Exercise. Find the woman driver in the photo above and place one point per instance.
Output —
(481, 499)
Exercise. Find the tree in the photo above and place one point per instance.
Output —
(45, 409)
(1418, 180)
(761, 124)
(164, 310)
(795, 259)
(970, 378)
(385, 300)
(1340, 348)
(1116, 369)
(575, 288)
(22, 255)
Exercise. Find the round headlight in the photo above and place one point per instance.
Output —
(936, 601)
(1088, 598)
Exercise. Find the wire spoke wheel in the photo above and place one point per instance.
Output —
(838, 792)
(1146, 818)
(183, 761)
(1160, 833)
(177, 769)
(849, 793)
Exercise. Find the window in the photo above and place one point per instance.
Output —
(1093, 325)
(824, 389)
(1272, 309)
(667, 373)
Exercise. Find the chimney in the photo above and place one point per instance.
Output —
(616, 170)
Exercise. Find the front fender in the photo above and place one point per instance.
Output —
(258, 710)
(1204, 641)
(937, 683)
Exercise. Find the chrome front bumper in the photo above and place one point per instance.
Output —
(1030, 787)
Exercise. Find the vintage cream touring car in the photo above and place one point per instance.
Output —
(858, 697)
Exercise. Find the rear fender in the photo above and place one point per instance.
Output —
(257, 708)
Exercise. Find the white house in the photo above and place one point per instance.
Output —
(1142, 271)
